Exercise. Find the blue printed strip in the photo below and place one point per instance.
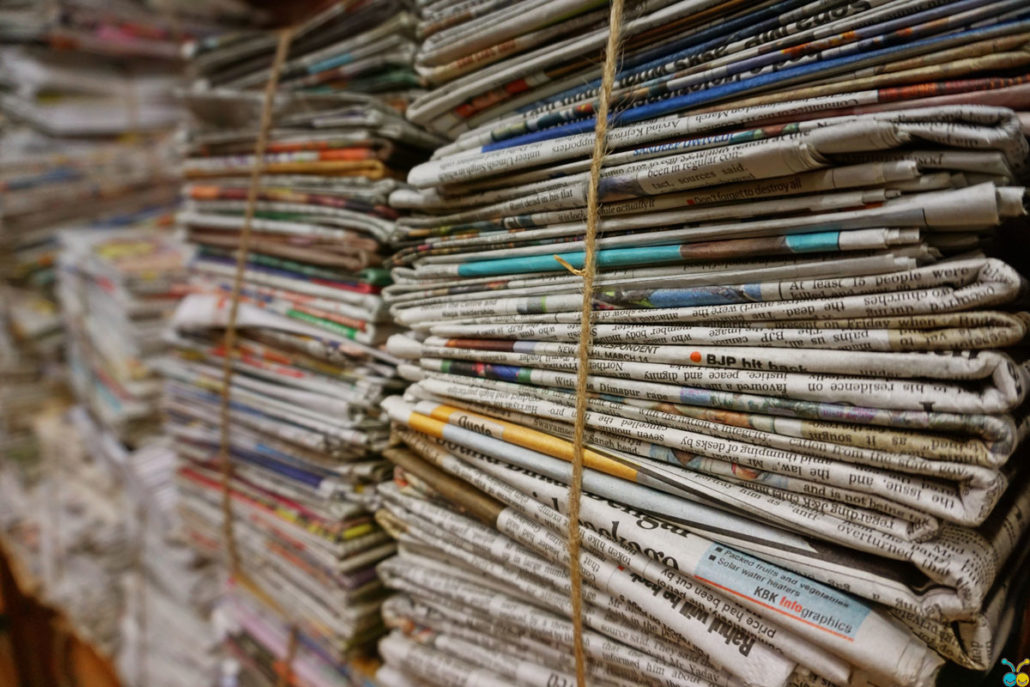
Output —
(745, 86)
(903, 28)
(751, 23)
(331, 62)
(546, 263)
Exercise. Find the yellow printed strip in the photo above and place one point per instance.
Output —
(371, 168)
(526, 438)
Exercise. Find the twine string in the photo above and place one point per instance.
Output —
(229, 341)
(586, 332)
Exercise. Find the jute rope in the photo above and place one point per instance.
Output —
(586, 332)
(229, 342)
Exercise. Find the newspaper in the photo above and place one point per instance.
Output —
(947, 211)
(979, 488)
(722, 88)
(640, 565)
(944, 288)
(1000, 392)
(644, 565)
(740, 71)
(899, 450)
(885, 472)
(960, 543)
(117, 288)
(805, 348)
(873, 579)
(480, 162)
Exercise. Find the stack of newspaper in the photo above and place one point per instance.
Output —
(97, 527)
(87, 101)
(26, 501)
(168, 638)
(131, 28)
(805, 408)
(809, 393)
(48, 184)
(309, 366)
(65, 93)
(62, 159)
(83, 140)
(117, 289)
(30, 324)
(84, 535)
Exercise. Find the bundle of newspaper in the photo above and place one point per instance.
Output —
(308, 370)
(848, 516)
(48, 184)
(25, 387)
(117, 289)
(87, 92)
(258, 643)
(67, 93)
(61, 160)
(357, 47)
(304, 440)
(24, 500)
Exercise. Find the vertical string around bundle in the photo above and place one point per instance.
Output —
(229, 342)
(586, 332)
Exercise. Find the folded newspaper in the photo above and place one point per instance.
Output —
(807, 396)
(168, 636)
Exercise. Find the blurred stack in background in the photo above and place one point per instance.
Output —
(89, 181)
(86, 92)
(168, 639)
(309, 366)
(116, 290)
(69, 530)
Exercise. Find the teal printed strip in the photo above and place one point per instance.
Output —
(618, 257)
(814, 243)
(817, 242)
(331, 63)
